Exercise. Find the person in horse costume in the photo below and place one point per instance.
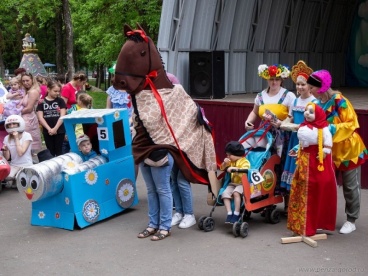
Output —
(168, 128)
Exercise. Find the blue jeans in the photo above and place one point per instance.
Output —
(182, 192)
(159, 195)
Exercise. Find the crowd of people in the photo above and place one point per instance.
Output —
(323, 144)
(32, 113)
(314, 130)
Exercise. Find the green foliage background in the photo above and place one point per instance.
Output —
(97, 28)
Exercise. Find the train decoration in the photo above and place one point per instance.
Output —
(66, 192)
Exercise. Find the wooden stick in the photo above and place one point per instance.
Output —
(308, 240)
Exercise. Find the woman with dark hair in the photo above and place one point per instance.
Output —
(19, 71)
(71, 88)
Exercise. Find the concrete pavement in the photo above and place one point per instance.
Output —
(111, 247)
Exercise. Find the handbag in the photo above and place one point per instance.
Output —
(157, 158)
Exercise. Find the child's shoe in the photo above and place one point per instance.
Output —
(229, 218)
(234, 219)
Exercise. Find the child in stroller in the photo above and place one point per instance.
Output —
(235, 160)
(258, 182)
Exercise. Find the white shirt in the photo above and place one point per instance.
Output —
(26, 159)
(288, 101)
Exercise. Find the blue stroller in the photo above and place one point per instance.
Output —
(258, 196)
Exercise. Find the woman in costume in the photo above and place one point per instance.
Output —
(313, 195)
(277, 101)
(348, 151)
(299, 74)
(164, 132)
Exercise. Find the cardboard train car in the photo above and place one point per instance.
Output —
(66, 192)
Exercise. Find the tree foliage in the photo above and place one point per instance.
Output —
(98, 25)
(97, 28)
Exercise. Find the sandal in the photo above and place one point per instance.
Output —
(160, 236)
(146, 233)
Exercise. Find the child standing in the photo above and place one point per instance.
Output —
(235, 160)
(16, 146)
(84, 101)
(49, 113)
(74, 107)
(14, 105)
(85, 147)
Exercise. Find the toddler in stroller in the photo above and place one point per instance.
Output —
(258, 183)
(234, 161)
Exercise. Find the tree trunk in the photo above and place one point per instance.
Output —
(68, 38)
(2, 69)
(59, 42)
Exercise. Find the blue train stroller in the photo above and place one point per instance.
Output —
(258, 196)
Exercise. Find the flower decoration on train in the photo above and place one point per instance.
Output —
(99, 120)
(126, 192)
(41, 214)
(91, 177)
(273, 71)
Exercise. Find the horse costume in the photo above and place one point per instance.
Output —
(165, 118)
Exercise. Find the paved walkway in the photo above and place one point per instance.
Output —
(111, 247)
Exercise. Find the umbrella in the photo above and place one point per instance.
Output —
(49, 64)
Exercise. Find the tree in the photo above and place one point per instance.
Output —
(73, 33)
(68, 38)
(101, 41)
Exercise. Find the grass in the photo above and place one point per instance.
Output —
(99, 99)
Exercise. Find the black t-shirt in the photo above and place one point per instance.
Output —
(51, 112)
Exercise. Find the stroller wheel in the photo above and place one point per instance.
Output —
(274, 216)
(267, 216)
(236, 229)
(208, 224)
(246, 215)
(244, 229)
(200, 222)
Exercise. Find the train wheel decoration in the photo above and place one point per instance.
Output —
(91, 211)
(125, 192)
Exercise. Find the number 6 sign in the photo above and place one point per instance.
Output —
(256, 177)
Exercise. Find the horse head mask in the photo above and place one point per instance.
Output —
(138, 62)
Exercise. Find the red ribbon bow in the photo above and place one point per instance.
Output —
(138, 32)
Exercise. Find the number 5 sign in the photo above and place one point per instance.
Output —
(103, 134)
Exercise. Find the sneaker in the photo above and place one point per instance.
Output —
(228, 218)
(9, 184)
(347, 228)
(234, 219)
(176, 219)
(187, 221)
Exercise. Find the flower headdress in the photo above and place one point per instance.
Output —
(273, 71)
(300, 70)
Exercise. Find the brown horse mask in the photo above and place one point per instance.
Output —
(139, 59)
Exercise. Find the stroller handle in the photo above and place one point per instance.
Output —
(240, 170)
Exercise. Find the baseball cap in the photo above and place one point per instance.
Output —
(82, 138)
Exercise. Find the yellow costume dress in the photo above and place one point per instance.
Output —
(348, 150)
